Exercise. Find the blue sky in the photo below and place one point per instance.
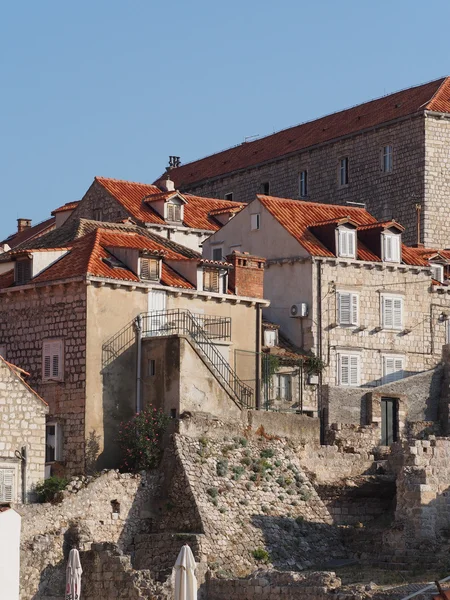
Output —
(112, 88)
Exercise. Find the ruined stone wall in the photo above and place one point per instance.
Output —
(22, 424)
(86, 514)
(387, 195)
(27, 318)
(329, 464)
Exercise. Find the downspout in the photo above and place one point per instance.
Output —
(258, 356)
(22, 456)
(138, 328)
(319, 348)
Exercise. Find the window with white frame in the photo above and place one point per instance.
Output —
(343, 171)
(349, 369)
(437, 272)
(7, 483)
(211, 280)
(393, 368)
(347, 308)
(391, 247)
(52, 360)
(255, 221)
(284, 387)
(173, 211)
(386, 159)
(217, 253)
(53, 442)
(392, 312)
(303, 184)
(346, 242)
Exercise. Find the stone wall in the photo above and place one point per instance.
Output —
(22, 425)
(387, 195)
(329, 464)
(112, 508)
(27, 318)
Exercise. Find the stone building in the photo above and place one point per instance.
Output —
(22, 435)
(343, 287)
(78, 308)
(390, 154)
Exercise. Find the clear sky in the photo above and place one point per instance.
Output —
(112, 87)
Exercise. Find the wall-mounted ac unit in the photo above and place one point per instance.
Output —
(299, 310)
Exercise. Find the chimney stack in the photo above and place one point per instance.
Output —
(23, 224)
(174, 162)
(246, 278)
(167, 184)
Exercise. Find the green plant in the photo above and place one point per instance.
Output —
(314, 365)
(247, 452)
(140, 439)
(270, 365)
(237, 472)
(266, 453)
(253, 477)
(243, 442)
(305, 495)
(249, 485)
(222, 467)
(48, 490)
(281, 481)
(277, 463)
(213, 492)
(213, 501)
(281, 498)
(300, 520)
(261, 555)
(246, 460)
(203, 441)
(265, 509)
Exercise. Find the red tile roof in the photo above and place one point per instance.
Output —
(381, 225)
(132, 196)
(171, 278)
(434, 96)
(29, 233)
(67, 206)
(296, 216)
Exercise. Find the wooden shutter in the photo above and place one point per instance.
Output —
(173, 212)
(52, 359)
(23, 271)
(388, 312)
(211, 281)
(393, 368)
(397, 318)
(150, 269)
(347, 308)
(6, 485)
(354, 370)
(343, 248)
(344, 369)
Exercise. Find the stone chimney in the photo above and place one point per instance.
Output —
(23, 224)
(174, 162)
(246, 278)
(167, 184)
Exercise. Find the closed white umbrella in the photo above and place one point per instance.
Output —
(73, 576)
(185, 579)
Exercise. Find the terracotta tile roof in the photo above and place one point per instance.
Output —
(132, 196)
(67, 206)
(335, 221)
(29, 233)
(434, 95)
(171, 278)
(365, 254)
(381, 225)
(229, 209)
(297, 216)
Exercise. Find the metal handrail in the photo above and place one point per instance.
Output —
(118, 343)
(201, 330)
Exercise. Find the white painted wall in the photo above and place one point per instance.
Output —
(129, 257)
(6, 266)
(9, 554)
(43, 259)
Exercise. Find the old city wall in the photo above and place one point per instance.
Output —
(437, 182)
(112, 508)
(22, 425)
(387, 195)
(27, 318)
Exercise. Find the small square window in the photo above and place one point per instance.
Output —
(270, 338)
(217, 253)
(211, 280)
(392, 312)
(255, 222)
(386, 159)
(150, 269)
(229, 196)
(343, 171)
(265, 188)
(52, 360)
(173, 212)
(303, 184)
(151, 367)
(391, 248)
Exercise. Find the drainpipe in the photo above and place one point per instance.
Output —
(138, 327)
(258, 356)
(22, 456)
(319, 346)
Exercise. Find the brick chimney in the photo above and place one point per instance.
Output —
(246, 278)
(23, 224)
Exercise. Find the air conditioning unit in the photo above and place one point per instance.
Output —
(299, 310)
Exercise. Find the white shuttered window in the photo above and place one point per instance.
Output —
(392, 312)
(347, 243)
(348, 308)
(392, 368)
(52, 360)
(391, 248)
(348, 369)
(7, 476)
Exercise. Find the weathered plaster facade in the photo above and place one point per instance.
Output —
(22, 430)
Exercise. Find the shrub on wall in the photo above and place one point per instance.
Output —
(140, 439)
(48, 490)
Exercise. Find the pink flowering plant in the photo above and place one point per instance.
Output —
(140, 439)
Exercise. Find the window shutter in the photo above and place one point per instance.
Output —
(344, 308)
(344, 370)
(6, 485)
(397, 312)
(52, 359)
(354, 370)
(392, 368)
(388, 320)
(211, 281)
(351, 243)
(342, 244)
(354, 309)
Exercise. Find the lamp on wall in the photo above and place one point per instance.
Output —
(443, 317)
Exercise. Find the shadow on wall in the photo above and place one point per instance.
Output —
(119, 401)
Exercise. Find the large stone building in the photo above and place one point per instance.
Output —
(390, 154)
(342, 285)
(74, 312)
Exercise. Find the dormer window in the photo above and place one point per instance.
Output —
(211, 280)
(150, 269)
(174, 212)
(346, 242)
(391, 247)
(23, 271)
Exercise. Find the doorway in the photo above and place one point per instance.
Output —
(389, 421)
